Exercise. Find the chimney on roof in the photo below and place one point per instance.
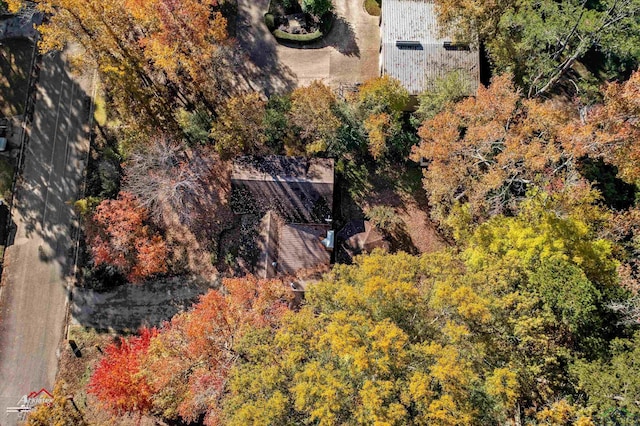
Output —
(328, 241)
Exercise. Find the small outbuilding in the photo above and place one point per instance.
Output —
(361, 236)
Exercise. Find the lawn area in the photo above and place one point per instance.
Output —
(15, 60)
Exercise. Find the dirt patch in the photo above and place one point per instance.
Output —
(15, 67)
(402, 192)
(416, 233)
(129, 307)
(76, 371)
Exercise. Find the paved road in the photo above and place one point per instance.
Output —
(32, 305)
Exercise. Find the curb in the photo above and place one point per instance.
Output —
(74, 277)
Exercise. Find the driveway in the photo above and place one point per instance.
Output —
(38, 260)
(349, 53)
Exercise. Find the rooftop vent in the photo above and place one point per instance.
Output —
(408, 43)
(449, 45)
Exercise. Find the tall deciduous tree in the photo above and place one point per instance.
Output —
(240, 127)
(383, 94)
(380, 103)
(119, 235)
(489, 149)
(312, 113)
(370, 356)
(612, 385)
(109, 35)
(181, 36)
(380, 128)
(117, 381)
(451, 88)
(539, 42)
(139, 47)
(610, 130)
(162, 177)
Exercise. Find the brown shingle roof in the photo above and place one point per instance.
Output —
(298, 189)
(361, 236)
(291, 247)
(300, 247)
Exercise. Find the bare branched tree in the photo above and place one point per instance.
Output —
(162, 176)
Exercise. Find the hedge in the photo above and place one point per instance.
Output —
(300, 38)
(270, 21)
(325, 26)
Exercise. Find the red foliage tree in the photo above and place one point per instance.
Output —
(119, 236)
(117, 381)
(188, 362)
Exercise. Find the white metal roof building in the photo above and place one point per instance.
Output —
(413, 51)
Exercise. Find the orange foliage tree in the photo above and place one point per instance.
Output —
(313, 115)
(181, 37)
(490, 149)
(117, 382)
(182, 370)
(119, 235)
(611, 130)
(148, 53)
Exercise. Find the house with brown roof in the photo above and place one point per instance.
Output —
(414, 51)
(294, 198)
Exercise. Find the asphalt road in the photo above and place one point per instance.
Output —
(37, 264)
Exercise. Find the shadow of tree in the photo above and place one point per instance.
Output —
(400, 240)
(342, 37)
(54, 160)
(15, 60)
(254, 61)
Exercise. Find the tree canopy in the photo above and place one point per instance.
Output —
(540, 42)
(121, 236)
(486, 334)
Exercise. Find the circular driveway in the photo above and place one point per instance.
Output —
(348, 54)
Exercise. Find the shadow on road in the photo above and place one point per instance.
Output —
(15, 63)
(40, 257)
(54, 157)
